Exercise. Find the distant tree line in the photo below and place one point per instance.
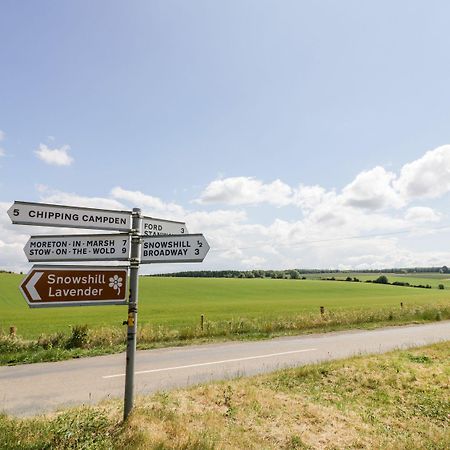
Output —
(443, 269)
(295, 274)
(280, 274)
(383, 279)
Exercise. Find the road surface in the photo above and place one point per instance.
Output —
(32, 389)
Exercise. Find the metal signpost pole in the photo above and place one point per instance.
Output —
(132, 310)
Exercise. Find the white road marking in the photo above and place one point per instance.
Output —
(213, 362)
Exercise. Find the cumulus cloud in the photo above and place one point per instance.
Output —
(246, 191)
(56, 156)
(422, 214)
(254, 262)
(372, 189)
(426, 177)
(361, 225)
(308, 197)
(55, 196)
(201, 220)
(150, 205)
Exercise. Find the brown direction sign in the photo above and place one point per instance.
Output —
(49, 286)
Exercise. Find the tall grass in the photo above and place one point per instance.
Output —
(82, 340)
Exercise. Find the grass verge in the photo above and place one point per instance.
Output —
(82, 341)
(398, 400)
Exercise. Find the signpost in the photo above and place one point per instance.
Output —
(26, 213)
(158, 227)
(82, 247)
(173, 249)
(50, 286)
(162, 241)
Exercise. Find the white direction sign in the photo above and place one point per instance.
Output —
(26, 213)
(174, 249)
(82, 247)
(161, 227)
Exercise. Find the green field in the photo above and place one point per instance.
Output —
(433, 279)
(179, 302)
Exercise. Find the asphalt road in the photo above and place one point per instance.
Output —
(38, 388)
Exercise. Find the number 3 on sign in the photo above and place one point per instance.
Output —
(200, 244)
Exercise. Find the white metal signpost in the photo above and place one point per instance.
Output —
(26, 213)
(172, 249)
(158, 227)
(82, 247)
(162, 241)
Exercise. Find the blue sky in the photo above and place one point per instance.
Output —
(269, 126)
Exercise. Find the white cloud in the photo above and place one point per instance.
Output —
(55, 157)
(372, 189)
(66, 198)
(426, 177)
(2, 152)
(152, 206)
(308, 197)
(254, 262)
(246, 191)
(422, 214)
(199, 221)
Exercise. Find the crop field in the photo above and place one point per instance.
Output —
(179, 302)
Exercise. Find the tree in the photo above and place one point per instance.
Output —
(294, 274)
(382, 279)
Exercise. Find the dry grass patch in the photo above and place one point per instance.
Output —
(245, 414)
(398, 400)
